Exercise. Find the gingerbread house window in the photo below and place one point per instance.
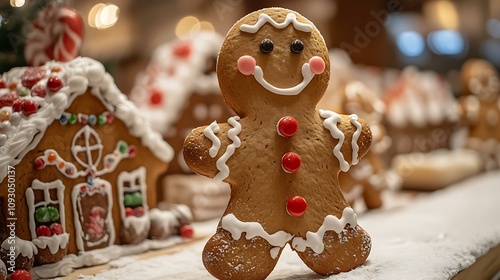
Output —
(87, 147)
(132, 199)
(47, 221)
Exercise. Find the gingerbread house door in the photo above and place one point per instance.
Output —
(92, 206)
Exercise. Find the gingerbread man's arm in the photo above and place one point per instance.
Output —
(356, 129)
(469, 107)
(204, 146)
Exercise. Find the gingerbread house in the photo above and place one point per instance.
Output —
(177, 92)
(78, 166)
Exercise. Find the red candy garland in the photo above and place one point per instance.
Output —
(56, 34)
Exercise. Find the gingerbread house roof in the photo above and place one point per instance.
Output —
(32, 98)
(177, 70)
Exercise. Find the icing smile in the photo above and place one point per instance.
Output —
(315, 66)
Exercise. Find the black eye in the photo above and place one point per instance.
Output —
(296, 46)
(266, 46)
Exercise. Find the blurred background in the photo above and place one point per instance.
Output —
(434, 35)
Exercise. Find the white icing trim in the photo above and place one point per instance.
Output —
(330, 123)
(76, 196)
(209, 132)
(307, 76)
(140, 224)
(264, 18)
(45, 187)
(355, 137)
(314, 240)
(165, 220)
(279, 239)
(23, 247)
(87, 133)
(54, 242)
(222, 161)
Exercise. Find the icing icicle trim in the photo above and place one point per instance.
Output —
(355, 137)
(330, 123)
(279, 239)
(264, 18)
(209, 132)
(222, 161)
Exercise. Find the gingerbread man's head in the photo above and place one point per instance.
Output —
(280, 60)
(480, 79)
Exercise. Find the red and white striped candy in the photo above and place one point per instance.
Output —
(56, 34)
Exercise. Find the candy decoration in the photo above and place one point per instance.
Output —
(182, 50)
(54, 84)
(13, 86)
(56, 228)
(3, 84)
(290, 162)
(287, 126)
(7, 99)
(128, 200)
(4, 116)
(20, 274)
(101, 119)
(18, 105)
(32, 75)
(53, 213)
(92, 119)
(137, 198)
(72, 119)
(56, 34)
(132, 151)
(42, 215)
(39, 163)
(129, 211)
(123, 147)
(29, 107)
(186, 231)
(109, 117)
(139, 211)
(52, 157)
(95, 227)
(156, 97)
(43, 231)
(38, 90)
(296, 206)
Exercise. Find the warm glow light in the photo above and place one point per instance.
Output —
(442, 13)
(207, 26)
(17, 3)
(103, 16)
(187, 26)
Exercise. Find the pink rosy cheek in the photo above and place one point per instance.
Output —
(317, 65)
(246, 65)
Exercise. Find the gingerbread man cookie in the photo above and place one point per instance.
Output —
(480, 110)
(280, 156)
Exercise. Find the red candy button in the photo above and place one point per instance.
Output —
(43, 231)
(287, 126)
(290, 162)
(20, 274)
(296, 206)
(186, 231)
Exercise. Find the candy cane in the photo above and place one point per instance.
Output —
(55, 34)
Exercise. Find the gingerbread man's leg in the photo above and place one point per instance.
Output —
(371, 195)
(343, 251)
(239, 259)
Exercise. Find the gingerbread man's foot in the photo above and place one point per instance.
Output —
(336, 257)
(227, 258)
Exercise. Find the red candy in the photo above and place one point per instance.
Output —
(17, 105)
(3, 84)
(54, 83)
(129, 212)
(287, 126)
(132, 151)
(29, 107)
(139, 211)
(56, 228)
(186, 231)
(156, 97)
(39, 163)
(7, 99)
(38, 90)
(43, 231)
(182, 50)
(32, 75)
(290, 162)
(20, 274)
(296, 206)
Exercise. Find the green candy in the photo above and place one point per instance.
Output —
(72, 119)
(42, 215)
(137, 197)
(101, 119)
(128, 200)
(53, 213)
(123, 148)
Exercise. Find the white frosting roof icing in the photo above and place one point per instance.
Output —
(22, 133)
(176, 78)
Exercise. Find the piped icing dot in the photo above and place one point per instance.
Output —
(246, 65)
(290, 162)
(296, 206)
(287, 126)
